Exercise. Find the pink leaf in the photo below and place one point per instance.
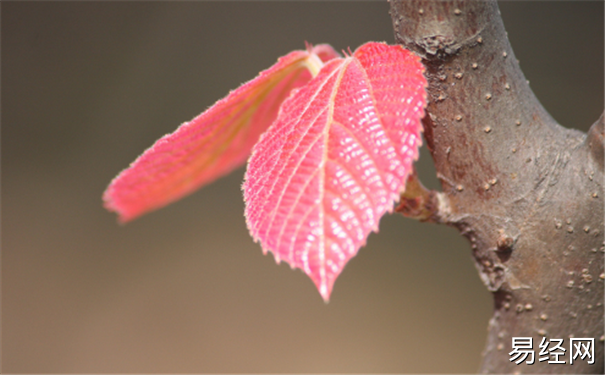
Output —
(215, 142)
(336, 159)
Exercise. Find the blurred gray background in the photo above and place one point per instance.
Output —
(86, 87)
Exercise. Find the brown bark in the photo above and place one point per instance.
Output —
(525, 191)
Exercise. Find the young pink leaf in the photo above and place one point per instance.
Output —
(215, 142)
(336, 159)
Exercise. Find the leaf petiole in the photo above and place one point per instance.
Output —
(314, 64)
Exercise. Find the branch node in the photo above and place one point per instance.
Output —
(417, 202)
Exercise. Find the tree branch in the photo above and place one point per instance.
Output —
(526, 192)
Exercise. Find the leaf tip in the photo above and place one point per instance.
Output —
(323, 283)
(111, 202)
(308, 47)
(325, 292)
(123, 218)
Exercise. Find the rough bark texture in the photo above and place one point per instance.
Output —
(525, 191)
